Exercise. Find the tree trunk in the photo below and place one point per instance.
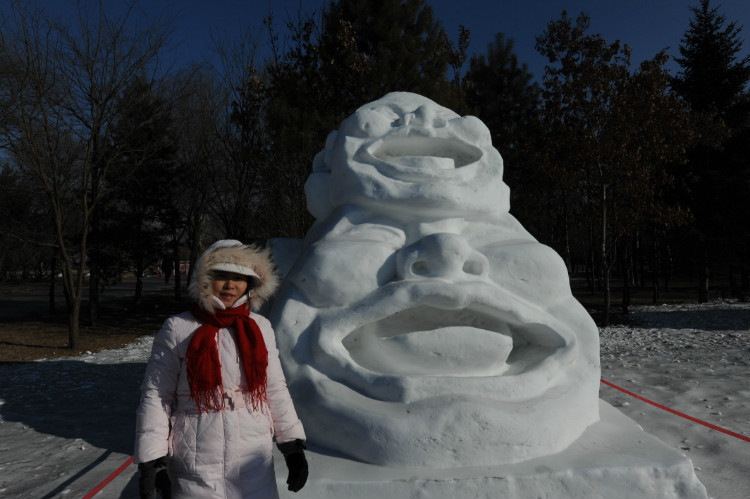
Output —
(138, 279)
(591, 274)
(566, 234)
(667, 267)
(704, 275)
(73, 298)
(73, 288)
(53, 272)
(94, 239)
(93, 288)
(603, 258)
(73, 324)
(607, 299)
(74, 315)
(195, 246)
(626, 266)
(656, 268)
(733, 290)
(177, 274)
(638, 251)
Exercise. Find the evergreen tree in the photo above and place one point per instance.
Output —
(358, 51)
(398, 45)
(197, 104)
(26, 242)
(500, 91)
(714, 82)
(712, 79)
(142, 178)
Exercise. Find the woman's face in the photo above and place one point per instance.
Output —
(228, 287)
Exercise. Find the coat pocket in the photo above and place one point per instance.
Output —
(258, 422)
(182, 441)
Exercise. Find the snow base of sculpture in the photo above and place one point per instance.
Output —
(614, 458)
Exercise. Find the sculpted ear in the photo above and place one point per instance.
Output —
(318, 184)
(318, 193)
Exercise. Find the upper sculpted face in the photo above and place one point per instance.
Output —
(421, 319)
(408, 153)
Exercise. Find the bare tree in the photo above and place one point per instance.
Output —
(622, 127)
(59, 96)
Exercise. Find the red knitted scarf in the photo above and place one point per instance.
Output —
(202, 358)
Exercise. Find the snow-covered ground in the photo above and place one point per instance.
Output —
(66, 425)
(694, 359)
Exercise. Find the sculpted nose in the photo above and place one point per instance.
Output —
(446, 256)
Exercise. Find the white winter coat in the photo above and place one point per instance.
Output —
(224, 454)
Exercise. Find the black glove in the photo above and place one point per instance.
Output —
(154, 477)
(294, 455)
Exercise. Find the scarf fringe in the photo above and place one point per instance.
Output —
(204, 367)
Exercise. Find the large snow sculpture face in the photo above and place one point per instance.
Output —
(422, 325)
(404, 155)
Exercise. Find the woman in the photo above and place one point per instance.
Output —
(214, 394)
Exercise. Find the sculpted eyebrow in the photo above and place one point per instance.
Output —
(382, 234)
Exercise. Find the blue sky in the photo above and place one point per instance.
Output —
(646, 25)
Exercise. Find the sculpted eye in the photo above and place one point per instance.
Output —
(341, 272)
(381, 234)
(368, 123)
(528, 270)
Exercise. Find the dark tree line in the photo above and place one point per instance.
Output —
(628, 172)
(716, 180)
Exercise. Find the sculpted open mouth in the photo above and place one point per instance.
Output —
(415, 156)
(470, 342)
(417, 340)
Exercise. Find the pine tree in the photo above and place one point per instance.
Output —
(714, 81)
(398, 45)
(499, 90)
(143, 155)
(358, 51)
(712, 78)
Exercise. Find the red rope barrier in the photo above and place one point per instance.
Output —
(111, 477)
(127, 463)
(678, 413)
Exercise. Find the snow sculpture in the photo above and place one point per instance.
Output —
(421, 324)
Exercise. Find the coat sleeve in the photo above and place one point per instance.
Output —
(157, 394)
(286, 424)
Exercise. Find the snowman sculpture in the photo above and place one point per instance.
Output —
(420, 324)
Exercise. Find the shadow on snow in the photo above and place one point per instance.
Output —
(704, 320)
(74, 399)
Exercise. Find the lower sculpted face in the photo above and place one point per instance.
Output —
(445, 346)
(422, 325)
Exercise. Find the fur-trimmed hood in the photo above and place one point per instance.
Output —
(232, 255)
